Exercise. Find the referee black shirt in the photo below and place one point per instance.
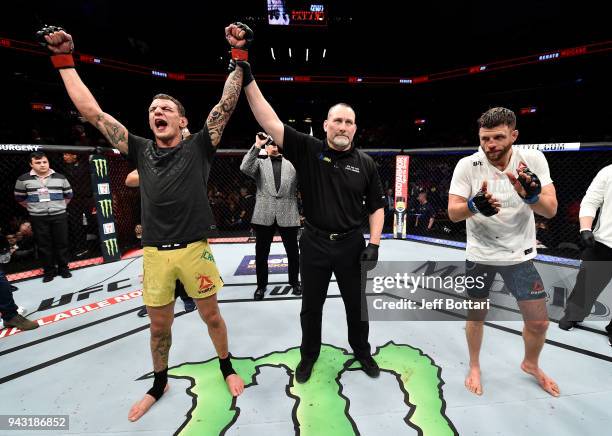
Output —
(339, 189)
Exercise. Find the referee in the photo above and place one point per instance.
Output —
(340, 189)
(594, 274)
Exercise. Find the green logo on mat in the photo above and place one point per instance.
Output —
(101, 168)
(321, 408)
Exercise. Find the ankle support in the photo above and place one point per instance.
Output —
(226, 366)
(159, 384)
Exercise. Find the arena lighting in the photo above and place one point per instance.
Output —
(272, 53)
(306, 54)
(289, 51)
(594, 48)
(41, 107)
(528, 110)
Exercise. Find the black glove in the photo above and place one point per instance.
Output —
(247, 75)
(370, 253)
(479, 203)
(242, 53)
(587, 238)
(46, 30)
(532, 191)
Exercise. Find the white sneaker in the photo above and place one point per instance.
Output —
(22, 310)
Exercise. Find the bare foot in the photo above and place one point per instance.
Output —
(234, 384)
(143, 406)
(472, 381)
(547, 383)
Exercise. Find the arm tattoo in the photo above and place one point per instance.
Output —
(114, 132)
(160, 349)
(221, 113)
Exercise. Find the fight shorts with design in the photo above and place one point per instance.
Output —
(522, 279)
(193, 264)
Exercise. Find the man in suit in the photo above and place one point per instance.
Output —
(275, 207)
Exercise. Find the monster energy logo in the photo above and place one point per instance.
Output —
(101, 168)
(106, 206)
(111, 247)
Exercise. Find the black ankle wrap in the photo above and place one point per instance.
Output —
(226, 366)
(159, 384)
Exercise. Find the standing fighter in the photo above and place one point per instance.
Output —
(595, 271)
(497, 190)
(176, 216)
(340, 188)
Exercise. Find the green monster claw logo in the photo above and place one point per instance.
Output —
(207, 255)
(320, 407)
(111, 247)
(101, 168)
(106, 206)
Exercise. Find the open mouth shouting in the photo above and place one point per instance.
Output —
(161, 125)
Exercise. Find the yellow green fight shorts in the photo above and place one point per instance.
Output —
(194, 265)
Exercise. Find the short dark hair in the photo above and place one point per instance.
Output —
(497, 116)
(180, 106)
(35, 155)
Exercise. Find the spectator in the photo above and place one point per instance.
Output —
(78, 176)
(8, 308)
(246, 204)
(425, 215)
(45, 194)
(389, 208)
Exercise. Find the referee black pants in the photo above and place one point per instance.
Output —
(51, 235)
(595, 273)
(264, 236)
(319, 257)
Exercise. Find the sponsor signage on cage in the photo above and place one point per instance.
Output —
(104, 208)
(104, 189)
(277, 264)
(20, 147)
(401, 196)
(108, 228)
(560, 146)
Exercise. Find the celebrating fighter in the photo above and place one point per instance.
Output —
(171, 172)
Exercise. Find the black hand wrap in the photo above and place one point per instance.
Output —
(247, 75)
(532, 191)
(242, 53)
(479, 203)
(587, 238)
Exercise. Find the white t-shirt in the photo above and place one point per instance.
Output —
(509, 235)
(599, 195)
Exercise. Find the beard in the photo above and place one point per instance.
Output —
(498, 155)
(341, 142)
